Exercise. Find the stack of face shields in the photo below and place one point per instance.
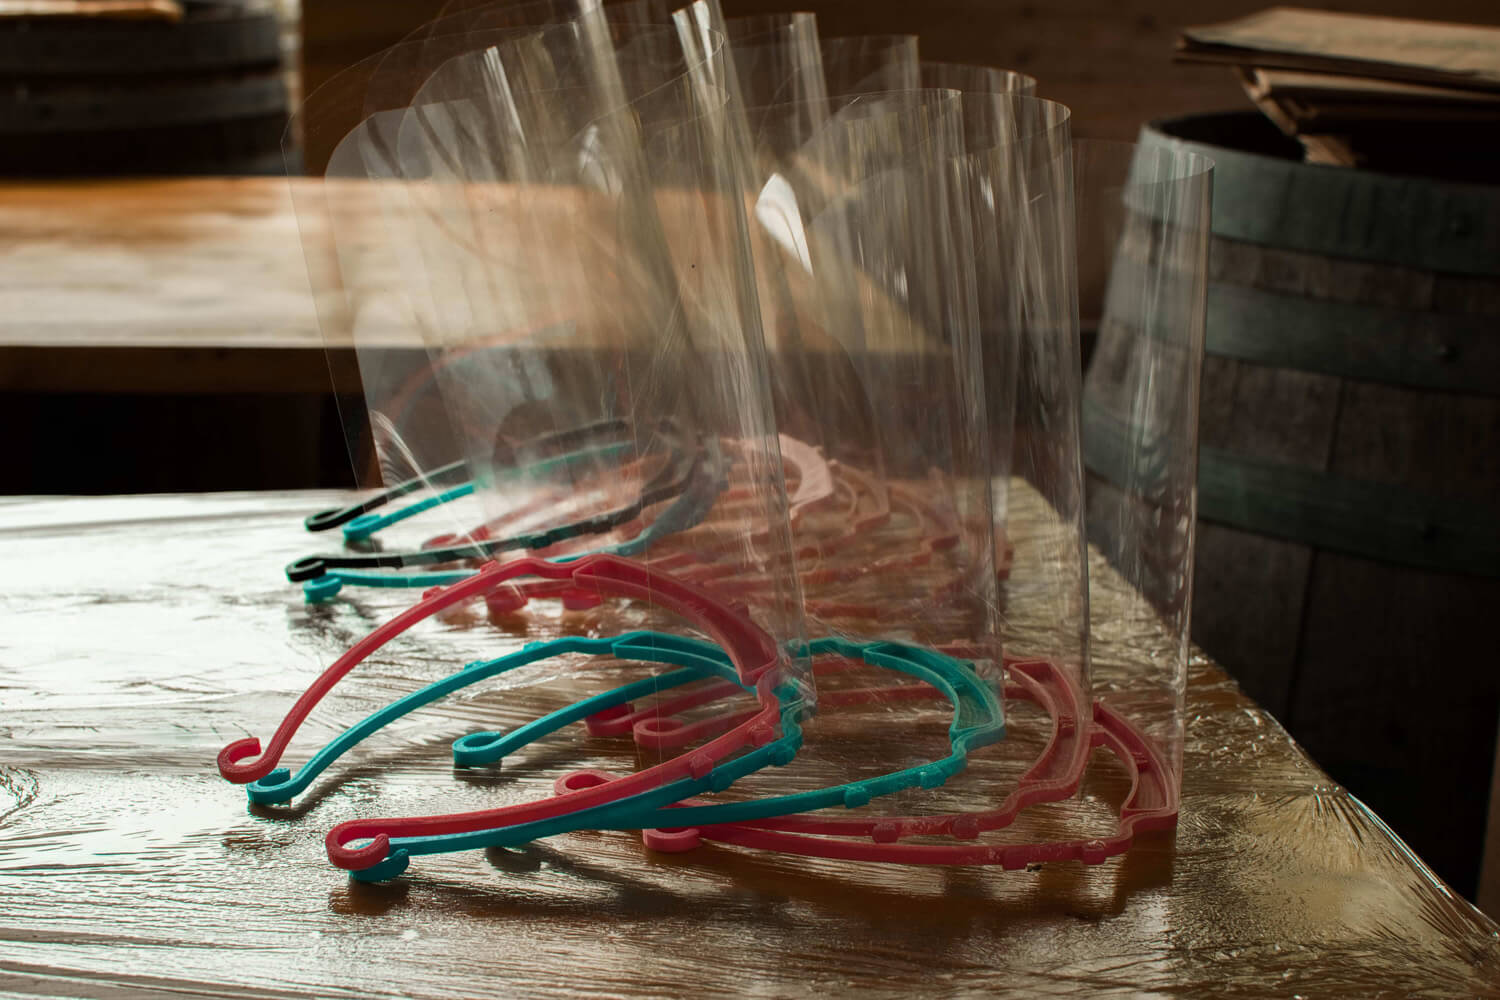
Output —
(724, 386)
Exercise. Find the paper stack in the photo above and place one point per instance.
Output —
(1356, 90)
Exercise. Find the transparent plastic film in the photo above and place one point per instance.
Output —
(654, 56)
(429, 145)
(377, 316)
(641, 257)
(872, 145)
(481, 128)
(864, 262)
(1045, 794)
(553, 455)
(471, 27)
(479, 16)
(1006, 805)
(1019, 801)
(870, 64)
(871, 389)
(473, 24)
(394, 416)
(1021, 153)
(1143, 224)
(1014, 176)
(593, 260)
(972, 81)
(776, 60)
(771, 65)
(354, 229)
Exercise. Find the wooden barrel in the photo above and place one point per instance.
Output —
(1348, 562)
(202, 95)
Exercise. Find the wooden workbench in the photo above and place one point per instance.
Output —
(142, 634)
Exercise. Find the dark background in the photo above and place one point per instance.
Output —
(1108, 60)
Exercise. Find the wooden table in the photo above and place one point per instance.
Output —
(156, 286)
(142, 634)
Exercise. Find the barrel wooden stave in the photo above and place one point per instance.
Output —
(1340, 361)
(1249, 589)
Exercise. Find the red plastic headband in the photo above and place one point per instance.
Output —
(1054, 775)
(753, 653)
(1151, 804)
(750, 649)
(758, 730)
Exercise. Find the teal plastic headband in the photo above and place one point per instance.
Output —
(707, 480)
(977, 722)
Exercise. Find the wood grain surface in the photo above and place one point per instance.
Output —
(149, 10)
(154, 263)
(144, 633)
(156, 286)
(243, 285)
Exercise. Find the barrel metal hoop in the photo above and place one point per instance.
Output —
(1406, 347)
(1390, 524)
(1427, 224)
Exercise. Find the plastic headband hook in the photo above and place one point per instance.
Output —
(453, 472)
(704, 483)
(281, 786)
(672, 479)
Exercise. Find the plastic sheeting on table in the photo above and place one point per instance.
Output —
(124, 675)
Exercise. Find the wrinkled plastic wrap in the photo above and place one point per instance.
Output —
(1276, 882)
